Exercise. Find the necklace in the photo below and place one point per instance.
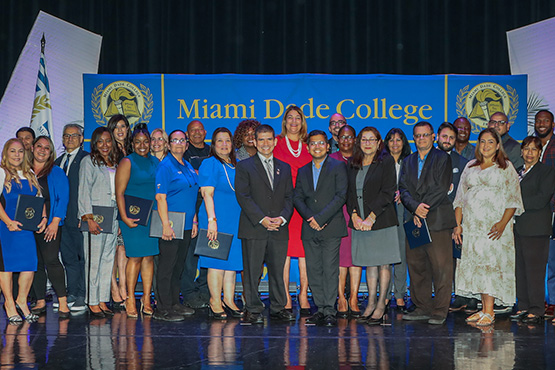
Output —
(229, 165)
(227, 176)
(295, 153)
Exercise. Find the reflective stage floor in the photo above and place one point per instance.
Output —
(198, 342)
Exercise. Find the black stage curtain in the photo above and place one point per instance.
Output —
(280, 36)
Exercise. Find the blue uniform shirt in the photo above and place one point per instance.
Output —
(180, 184)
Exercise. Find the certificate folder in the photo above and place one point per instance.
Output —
(28, 211)
(104, 217)
(177, 222)
(417, 236)
(138, 208)
(217, 248)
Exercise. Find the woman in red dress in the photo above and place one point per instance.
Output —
(292, 149)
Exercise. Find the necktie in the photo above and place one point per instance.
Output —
(270, 172)
(66, 163)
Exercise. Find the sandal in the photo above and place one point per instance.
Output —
(475, 317)
(486, 320)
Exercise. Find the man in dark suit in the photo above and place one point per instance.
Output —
(71, 246)
(543, 126)
(320, 193)
(426, 177)
(264, 190)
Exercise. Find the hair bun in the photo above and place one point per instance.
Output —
(140, 126)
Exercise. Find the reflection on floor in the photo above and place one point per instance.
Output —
(121, 343)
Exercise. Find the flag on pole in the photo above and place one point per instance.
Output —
(41, 120)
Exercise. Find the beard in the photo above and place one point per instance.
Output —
(446, 147)
(542, 136)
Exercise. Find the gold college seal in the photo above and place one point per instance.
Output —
(483, 100)
(214, 244)
(122, 97)
(29, 213)
(416, 232)
(98, 219)
(134, 210)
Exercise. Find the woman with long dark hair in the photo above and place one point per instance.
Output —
(97, 188)
(55, 191)
(397, 144)
(370, 200)
(220, 213)
(135, 177)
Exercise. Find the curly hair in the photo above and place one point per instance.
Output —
(241, 131)
(11, 172)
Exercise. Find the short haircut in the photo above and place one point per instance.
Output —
(545, 111)
(73, 125)
(175, 131)
(534, 140)
(263, 129)
(448, 125)
(503, 113)
(423, 124)
(316, 133)
(26, 129)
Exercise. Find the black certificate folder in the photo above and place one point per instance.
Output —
(417, 236)
(218, 248)
(104, 217)
(137, 208)
(28, 211)
(177, 222)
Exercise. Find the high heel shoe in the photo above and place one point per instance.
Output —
(234, 313)
(99, 314)
(146, 311)
(132, 311)
(15, 319)
(217, 315)
(355, 314)
(30, 317)
(371, 321)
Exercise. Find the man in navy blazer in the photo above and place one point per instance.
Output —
(264, 190)
(426, 178)
(71, 246)
(320, 193)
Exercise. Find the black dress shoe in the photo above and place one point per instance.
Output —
(282, 315)
(252, 318)
(107, 312)
(305, 312)
(330, 320)
(167, 315)
(403, 309)
(316, 319)
(183, 310)
(234, 313)
(532, 320)
(519, 316)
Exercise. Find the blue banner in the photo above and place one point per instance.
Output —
(382, 101)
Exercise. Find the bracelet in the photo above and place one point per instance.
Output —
(195, 223)
(44, 217)
(212, 219)
(88, 217)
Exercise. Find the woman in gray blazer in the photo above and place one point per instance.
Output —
(532, 231)
(97, 188)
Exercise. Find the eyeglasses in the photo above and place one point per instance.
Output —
(314, 143)
(157, 139)
(424, 136)
(346, 137)
(178, 141)
(497, 123)
(71, 136)
(371, 140)
(338, 123)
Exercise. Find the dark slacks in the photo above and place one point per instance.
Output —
(322, 268)
(191, 288)
(73, 257)
(47, 253)
(255, 253)
(171, 262)
(432, 263)
(531, 259)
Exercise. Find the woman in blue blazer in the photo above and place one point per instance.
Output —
(55, 191)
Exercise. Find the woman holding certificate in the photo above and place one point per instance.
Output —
(176, 191)
(18, 251)
(135, 177)
(220, 213)
(55, 191)
(97, 188)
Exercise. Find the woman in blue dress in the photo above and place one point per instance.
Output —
(135, 177)
(220, 212)
(18, 252)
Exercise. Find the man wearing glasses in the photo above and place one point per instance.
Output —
(501, 124)
(71, 244)
(426, 177)
(319, 196)
(336, 122)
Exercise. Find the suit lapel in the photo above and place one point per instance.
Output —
(369, 173)
(259, 167)
(425, 168)
(323, 171)
(531, 174)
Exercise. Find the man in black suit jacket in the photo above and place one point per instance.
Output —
(320, 193)
(426, 177)
(71, 246)
(264, 190)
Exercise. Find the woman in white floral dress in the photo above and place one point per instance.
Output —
(487, 199)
